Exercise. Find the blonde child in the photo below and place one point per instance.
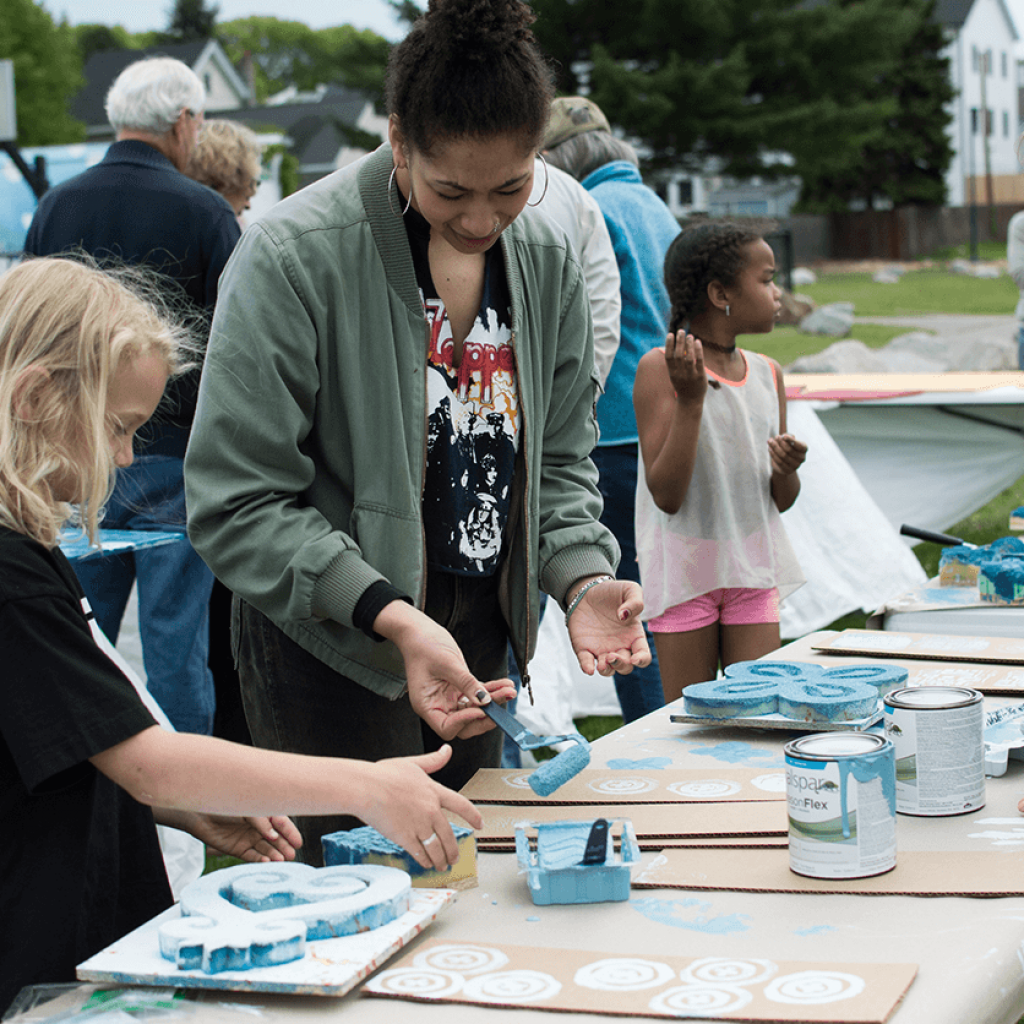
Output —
(84, 769)
(719, 466)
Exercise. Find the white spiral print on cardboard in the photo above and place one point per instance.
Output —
(628, 785)
(700, 1000)
(512, 987)
(706, 789)
(719, 970)
(814, 987)
(624, 974)
(775, 782)
(461, 958)
(518, 781)
(419, 981)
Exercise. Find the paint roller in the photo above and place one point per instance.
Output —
(549, 774)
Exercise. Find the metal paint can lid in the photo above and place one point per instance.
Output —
(932, 698)
(831, 746)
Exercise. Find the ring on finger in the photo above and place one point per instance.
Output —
(430, 839)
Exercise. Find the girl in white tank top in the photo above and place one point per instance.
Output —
(719, 467)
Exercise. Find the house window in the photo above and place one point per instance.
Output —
(207, 81)
(1004, 63)
(1006, 124)
(975, 121)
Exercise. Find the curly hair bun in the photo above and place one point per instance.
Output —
(478, 29)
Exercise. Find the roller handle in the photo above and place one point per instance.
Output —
(597, 843)
(935, 538)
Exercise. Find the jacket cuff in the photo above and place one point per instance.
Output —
(339, 588)
(571, 564)
(370, 605)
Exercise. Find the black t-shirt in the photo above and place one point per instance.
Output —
(81, 864)
(473, 420)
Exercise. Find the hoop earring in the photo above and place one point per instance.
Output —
(547, 178)
(391, 202)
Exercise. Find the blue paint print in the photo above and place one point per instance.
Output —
(735, 752)
(671, 912)
(818, 929)
(646, 762)
(880, 765)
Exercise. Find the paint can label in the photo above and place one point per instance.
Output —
(840, 789)
(938, 733)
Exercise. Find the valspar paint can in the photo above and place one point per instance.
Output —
(841, 790)
(939, 736)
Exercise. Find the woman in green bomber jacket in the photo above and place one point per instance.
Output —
(390, 456)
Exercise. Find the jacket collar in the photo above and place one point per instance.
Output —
(134, 151)
(617, 170)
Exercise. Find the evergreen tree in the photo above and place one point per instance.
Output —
(191, 21)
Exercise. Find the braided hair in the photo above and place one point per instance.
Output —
(706, 252)
(469, 68)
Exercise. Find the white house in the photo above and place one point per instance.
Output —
(985, 126)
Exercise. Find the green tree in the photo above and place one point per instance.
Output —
(846, 94)
(47, 73)
(96, 38)
(290, 53)
(191, 21)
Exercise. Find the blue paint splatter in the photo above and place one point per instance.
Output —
(818, 929)
(736, 753)
(533, 919)
(671, 912)
(646, 762)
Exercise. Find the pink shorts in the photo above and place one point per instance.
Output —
(732, 606)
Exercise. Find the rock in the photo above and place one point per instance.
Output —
(986, 270)
(794, 308)
(886, 277)
(834, 320)
(847, 356)
(803, 276)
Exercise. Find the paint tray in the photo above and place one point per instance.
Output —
(569, 862)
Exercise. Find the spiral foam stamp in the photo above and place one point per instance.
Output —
(260, 915)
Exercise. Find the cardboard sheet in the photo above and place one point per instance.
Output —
(917, 873)
(582, 981)
(621, 786)
(933, 646)
(649, 820)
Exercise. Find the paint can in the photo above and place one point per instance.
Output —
(841, 791)
(939, 736)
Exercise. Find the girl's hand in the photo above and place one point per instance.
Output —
(407, 806)
(606, 631)
(251, 839)
(684, 357)
(787, 453)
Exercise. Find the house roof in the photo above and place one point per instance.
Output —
(954, 13)
(105, 65)
(316, 129)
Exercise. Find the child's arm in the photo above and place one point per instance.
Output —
(188, 772)
(668, 397)
(786, 452)
(251, 839)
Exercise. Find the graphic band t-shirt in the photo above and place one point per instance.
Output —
(473, 421)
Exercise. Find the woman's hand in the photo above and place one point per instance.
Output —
(407, 806)
(684, 359)
(605, 628)
(437, 674)
(251, 839)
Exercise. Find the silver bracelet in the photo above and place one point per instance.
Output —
(579, 594)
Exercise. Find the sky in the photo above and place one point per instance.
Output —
(141, 15)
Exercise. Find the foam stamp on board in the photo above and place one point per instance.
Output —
(367, 846)
(259, 915)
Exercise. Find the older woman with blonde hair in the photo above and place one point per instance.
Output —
(227, 159)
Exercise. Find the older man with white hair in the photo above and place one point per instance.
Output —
(136, 206)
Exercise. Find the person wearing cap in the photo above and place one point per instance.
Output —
(579, 141)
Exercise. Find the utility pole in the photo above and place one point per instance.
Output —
(35, 176)
(985, 70)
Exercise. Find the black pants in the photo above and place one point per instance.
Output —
(294, 702)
